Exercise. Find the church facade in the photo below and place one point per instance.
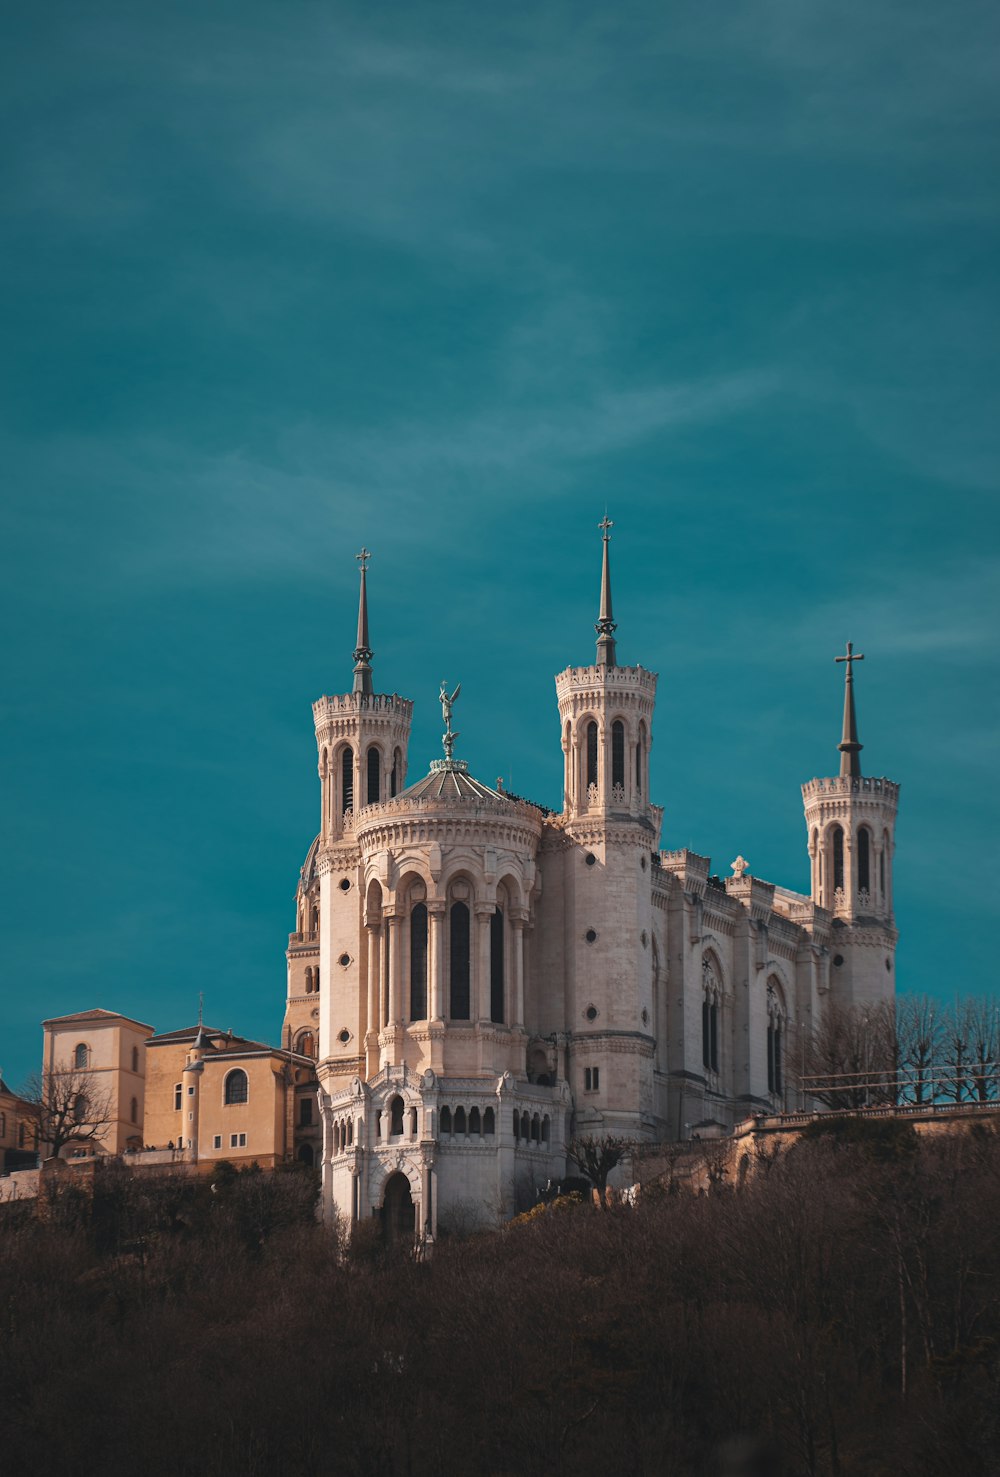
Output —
(482, 980)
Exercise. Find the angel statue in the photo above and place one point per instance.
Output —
(446, 707)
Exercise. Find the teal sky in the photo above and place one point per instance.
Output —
(280, 280)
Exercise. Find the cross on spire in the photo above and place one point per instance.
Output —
(850, 748)
(605, 627)
(363, 651)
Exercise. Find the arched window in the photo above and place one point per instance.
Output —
(618, 753)
(397, 770)
(775, 1041)
(237, 1087)
(134, 1114)
(496, 967)
(396, 1115)
(81, 1057)
(545, 1129)
(711, 994)
(489, 1123)
(418, 963)
(517, 1124)
(864, 860)
(459, 972)
(374, 776)
(413, 1123)
(460, 1122)
(305, 1044)
(591, 753)
(80, 1107)
(474, 1125)
(881, 867)
(135, 1060)
(446, 1120)
(347, 779)
(837, 847)
(640, 758)
(536, 1129)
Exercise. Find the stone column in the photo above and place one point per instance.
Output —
(435, 961)
(373, 930)
(481, 976)
(394, 991)
(517, 922)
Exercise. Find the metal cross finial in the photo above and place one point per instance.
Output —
(363, 558)
(606, 526)
(849, 658)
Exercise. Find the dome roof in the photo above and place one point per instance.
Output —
(307, 876)
(449, 779)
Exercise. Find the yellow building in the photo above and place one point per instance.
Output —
(211, 1095)
(103, 1055)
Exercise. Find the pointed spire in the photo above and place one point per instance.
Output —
(849, 746)
(605, 627)
(363, 652)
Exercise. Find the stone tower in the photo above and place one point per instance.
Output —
(606, 714)
(851, 820)
(361, 738)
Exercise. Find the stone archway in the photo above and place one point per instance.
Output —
(398, 1213)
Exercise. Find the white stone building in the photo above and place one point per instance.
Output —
(482, 980)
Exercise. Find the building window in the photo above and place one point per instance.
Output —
(446, 1120)
(3, 1125)
(134, 1106)
(459, 962)
(374, 776)
(396, 1116)
(496, 967)
(837, 840)
(237, 1087)
(217, 1141)
(397, 770)
(81, 1057)
(591, 753)
(178, 1096)
(474, 1122)
(305, 1112)
(592, 1079)
(864, 860)
(618, 753)
(489, 1123)
(418, 963)
(135, 1059)
(237, 1140)
(347, 779)
(306, 1044)
(460, 1122)
(774, 1056)
(710, 1018)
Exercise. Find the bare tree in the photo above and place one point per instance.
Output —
(66, 1106)
(597, 1157)
(851, 1060)
(920, 1032)
(980, 1032)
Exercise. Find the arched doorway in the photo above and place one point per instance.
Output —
(305, 1155)
(397, 1211)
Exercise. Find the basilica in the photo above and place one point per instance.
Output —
(480, 980)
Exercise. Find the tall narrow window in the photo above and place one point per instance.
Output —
(881, 872)
(178, 1096)
(713, 1021)
(418, 963)
(397, 769)
(706, 1035)
(864, 860)
(496, 967)
(396, 1115)
(591, 753)
(638, 769)
(237, 1087)
(459, 962)
(774, 1055)
(347, 779)
(618, 753)
(374, 775)
(134, 1116)
(838, 857)
(81, 1057)
(135, 1059)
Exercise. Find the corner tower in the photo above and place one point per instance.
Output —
(606, 716)
(851, 823)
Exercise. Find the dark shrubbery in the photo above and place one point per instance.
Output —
(837, 1315)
